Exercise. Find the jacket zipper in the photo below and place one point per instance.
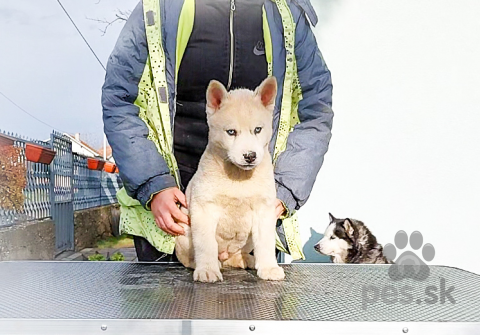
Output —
(232, 44)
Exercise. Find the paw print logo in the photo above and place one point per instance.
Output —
(408, 264)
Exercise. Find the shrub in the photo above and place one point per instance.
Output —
(117, 257)
(96, 257)
(12, 178)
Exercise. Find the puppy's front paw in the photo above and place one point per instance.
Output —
(207, 274)
(273, 273)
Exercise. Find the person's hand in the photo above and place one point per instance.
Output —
(166, 212)
(279, 208)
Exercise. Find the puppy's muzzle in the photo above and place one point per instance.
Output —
(250, 157)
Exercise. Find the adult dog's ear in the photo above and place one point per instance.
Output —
(332, 218)
(216, 94)
(267, 91)
(348, 225)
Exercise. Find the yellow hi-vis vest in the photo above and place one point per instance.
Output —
(153, 103)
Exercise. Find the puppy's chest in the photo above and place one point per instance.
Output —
(238, 209)
(236, 221)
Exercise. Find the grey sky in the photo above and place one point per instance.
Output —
(48, 70)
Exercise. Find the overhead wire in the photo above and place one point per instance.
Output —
(93, 52)
(83, 37)
(91, 49)
(30, 114)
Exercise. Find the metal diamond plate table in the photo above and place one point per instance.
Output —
(153, 298)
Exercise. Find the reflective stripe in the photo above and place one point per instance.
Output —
(160, 116)
(232, 45)
(284, 126)
(185, 27)
(267, 40)
(288, 118)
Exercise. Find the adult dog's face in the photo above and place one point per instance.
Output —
(332, 243)
(337, 238)
(240, 122)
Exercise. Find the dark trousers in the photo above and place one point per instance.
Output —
(147, 253)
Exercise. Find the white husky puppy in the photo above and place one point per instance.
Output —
(231, 197)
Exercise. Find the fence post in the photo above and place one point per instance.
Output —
(61, 192)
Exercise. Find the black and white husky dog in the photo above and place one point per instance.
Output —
(350, 241)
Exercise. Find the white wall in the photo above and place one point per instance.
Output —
(405, 151)
(79, 149)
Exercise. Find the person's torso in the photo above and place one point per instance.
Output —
(226, 44)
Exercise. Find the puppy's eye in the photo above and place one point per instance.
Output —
(258, 130)
(333, 237)
(232, 132)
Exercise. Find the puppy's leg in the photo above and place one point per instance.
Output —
(263, 235)
(183, 243)
(204, 220)
(184, 248)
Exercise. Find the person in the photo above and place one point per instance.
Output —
(154, 115)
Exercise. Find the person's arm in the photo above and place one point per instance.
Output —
(297, 167)
(143, 170)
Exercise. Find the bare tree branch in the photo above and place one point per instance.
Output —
(123, 14)
(105, 22)
(119, 16)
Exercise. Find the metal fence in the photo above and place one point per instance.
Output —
(46, 183)
(92, 188)
(37, 189)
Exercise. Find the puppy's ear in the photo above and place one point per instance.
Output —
(347, 224)
(267, 92)
(216, 94)
(332, 218)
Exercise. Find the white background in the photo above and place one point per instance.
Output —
(405, 151)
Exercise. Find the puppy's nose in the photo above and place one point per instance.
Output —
(317, 247)
(250, 156)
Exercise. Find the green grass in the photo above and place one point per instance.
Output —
(96, 257)
(124, 241)
(116, 257)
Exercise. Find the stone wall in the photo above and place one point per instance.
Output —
(33, 240)
(93, 225)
